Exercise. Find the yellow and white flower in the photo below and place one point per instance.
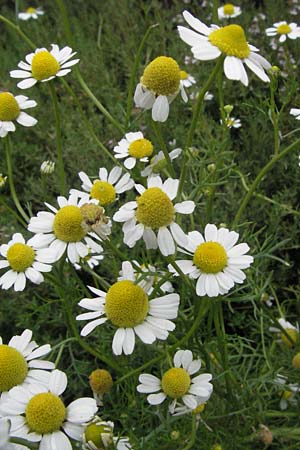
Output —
(159, 85)
(229, 11)
(11, 110)
(211, 42)
(107, 186)
(296, 113)
(31, 13)
(39, 414)
(134, 147)
(232, 122)
(20, 363)
(43, 65)
(154, 212)
(99, 434)
(178, 384)
(127, 306)
(24, 261)
(186, 80)
(90, 259)
(217, 262)
(159, 163)
(284, 31)
(289, 393)
(70, 228)
(291, 330)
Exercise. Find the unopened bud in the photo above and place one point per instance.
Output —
(100, 434)
(265, 435)
(175, 435)
(228, 109)
(47, 167)
(296, 361)
(211, 168)
(100, 381)
(2, 180)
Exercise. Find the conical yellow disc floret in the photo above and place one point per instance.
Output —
(67, 224)
(284, 28)
(176, 382)
(210, 257)
(155, 209)
(104, 192)
(44, 65)
(228, 9)
(9, 108)
(45, 413)
(231, 40)
(20, 257)
(162, 76)
(13, 368)
(126, 304)
(100, 434)
(100, 381)
(31, 10)
(140, 148)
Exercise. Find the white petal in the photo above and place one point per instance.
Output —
(186, 207)
(26, 120)
(165, 241)
(179, 236)
(129, 341)
(160, 109)
(58, 382)
(156, 399)
(117, 344)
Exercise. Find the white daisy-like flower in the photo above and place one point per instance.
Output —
(154, 212)
(178, 384)
(24, 261)
(43, 65)
(38, 414)
(107, 186)
(134, 147)
(217, 262)
(11, 109)
(127, 306)
(159, 163)
(100, 434)
(90, 259)
(284, 31)
(20, 363)
(186, 80)
(69, 228)
(31, 13)
(211, 42)
(158, 87)
(290, 393)
(296, 113)
(228, 11)
(232, 122)
(291, 330)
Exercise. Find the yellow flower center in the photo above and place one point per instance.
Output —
(45, 413)
(296, 361)
(210, 257)
(104, 192)
(293, 334)
(140, 148)
(31, 10)
(99, 434)
(126, 304)
(155, 209)
(67, 224)
(183, 75)
(286, 395)
(228, 9)
(162, 76)
(9, 108)
(13, 368)
(44, 65)
(20, 257)
(100, 381)
(176, 382)
(231, 40)
(200, 408)
(284, 29)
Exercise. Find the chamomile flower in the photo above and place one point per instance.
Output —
(43, 65)
(24, 261)
(211, 42)
(284, 31)
(289, 393)
(158, 87)
(134, 147)
(177, 383)
(99, 435)
(20, 363)
(154, 212)
(232, 122)
(11, 110)
(296, 113)
(31, 13)
(47, 167)
(158, 163)
(107, 186)
(128, 307)
(228, 11)
(90, 259)
(101, 383)
(70, 228)
(291, 330)
(186, 80)
(40, 415)
(216, 262)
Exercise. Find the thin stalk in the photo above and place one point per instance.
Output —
(193, 434)
(157, 129)
(15, 440)
(274, 115)
(215, 11)
(19, 31)
(11, 180)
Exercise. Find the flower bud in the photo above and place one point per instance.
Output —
(100, 381)
(228, 109)
(47, 167)
(175, 435)
(296, 361)
(2, 180)
(211, 168)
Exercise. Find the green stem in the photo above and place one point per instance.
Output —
(193, 434)
(215, 12)
(19, 31)
(11, 180)
(15, 440)
(60, 162)
(274, 115)
(157, 129)
(258, 179)
(66, 22)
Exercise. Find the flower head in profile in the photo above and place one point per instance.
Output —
(3, 180)
(289, 392)
(154, 212)
(99, 435)
(290, 335)
(11, 110)
(24, 261)
(229, 11)
(133, 147)
(128, 308)
(91, 259)
(178, 384)
(284, 31)
(186, 80)
(158, 163)
(20, 363)
(40, 415)
(217, 263)
(43, 65)
(31, 13)
(230, 41)
(296, 113)
(101, 383)
(47, 167)
(159, 85)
